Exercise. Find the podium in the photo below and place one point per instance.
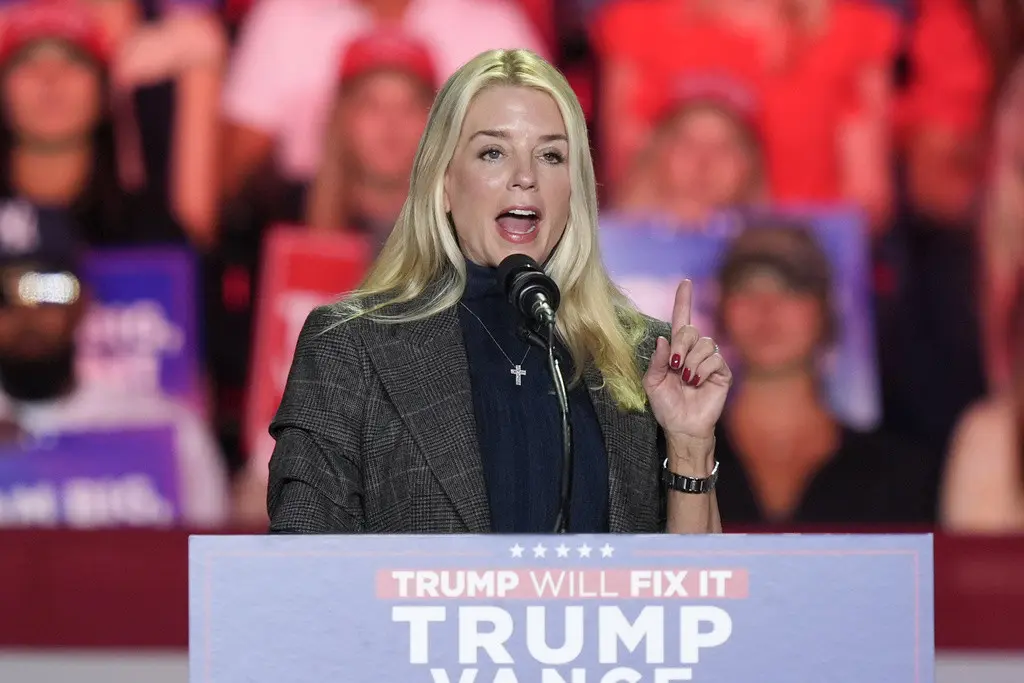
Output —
(787, 608)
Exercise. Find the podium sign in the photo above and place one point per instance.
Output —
(561, 609)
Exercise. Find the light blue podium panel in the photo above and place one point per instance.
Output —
(561, 609)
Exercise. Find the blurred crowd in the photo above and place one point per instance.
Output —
(202, 125)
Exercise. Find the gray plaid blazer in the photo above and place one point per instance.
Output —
(376, 433)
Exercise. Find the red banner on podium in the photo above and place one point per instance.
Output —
(301, 270)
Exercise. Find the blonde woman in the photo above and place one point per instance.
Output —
(407, 408)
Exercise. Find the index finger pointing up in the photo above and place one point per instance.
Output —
(683, 305)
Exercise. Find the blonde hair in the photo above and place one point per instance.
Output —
(596, 321)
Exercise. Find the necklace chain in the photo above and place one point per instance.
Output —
(517, 369)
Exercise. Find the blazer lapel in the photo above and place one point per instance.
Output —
(628, 441)
(424, 369)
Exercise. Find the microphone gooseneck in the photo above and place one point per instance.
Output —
(565, 496)
(536, 297)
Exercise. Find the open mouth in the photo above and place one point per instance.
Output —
(519, 222)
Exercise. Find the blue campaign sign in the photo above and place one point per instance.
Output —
(561, 609)
(92, 479)
(141, 331)
(648, 257)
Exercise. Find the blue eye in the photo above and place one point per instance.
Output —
(491, 154)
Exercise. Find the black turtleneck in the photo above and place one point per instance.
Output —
(519, 427)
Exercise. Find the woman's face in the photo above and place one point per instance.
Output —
(773, 328)
(507, 186)
(384, 115)
(706, 161)
(52, 96)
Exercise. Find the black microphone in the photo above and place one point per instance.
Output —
(536, 297)
(529, 289)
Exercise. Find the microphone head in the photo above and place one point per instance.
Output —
(511, 266)
(519, 275)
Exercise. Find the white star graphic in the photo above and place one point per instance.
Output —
(517, 550)
(607, 550)
(584, 550)
(562, 550)
(539, 550)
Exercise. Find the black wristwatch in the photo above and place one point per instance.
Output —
(678, 482)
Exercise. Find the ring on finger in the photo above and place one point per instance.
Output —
(714, 344)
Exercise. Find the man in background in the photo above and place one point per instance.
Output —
(42, 303)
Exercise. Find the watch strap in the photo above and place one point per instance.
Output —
(684, 484)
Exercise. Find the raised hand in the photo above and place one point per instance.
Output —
(687, 380)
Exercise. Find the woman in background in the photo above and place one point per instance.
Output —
(983, 484)
(794, 460)
(704, 154)
(162, 81)
(387, 83)
(57, 140)
(829, 60)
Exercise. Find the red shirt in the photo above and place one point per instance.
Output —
(665, 44)
(951, 75)
(810, 97)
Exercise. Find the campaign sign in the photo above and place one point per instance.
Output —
(561, 609)
(647, 258)
(141, 331)
(91, 479)
(302, 269)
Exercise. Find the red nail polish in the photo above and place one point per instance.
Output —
(675, 361)
(686, 375)
(696, 380)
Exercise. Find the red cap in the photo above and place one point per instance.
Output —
(388, 50)
(716, 90)
(65, 20)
